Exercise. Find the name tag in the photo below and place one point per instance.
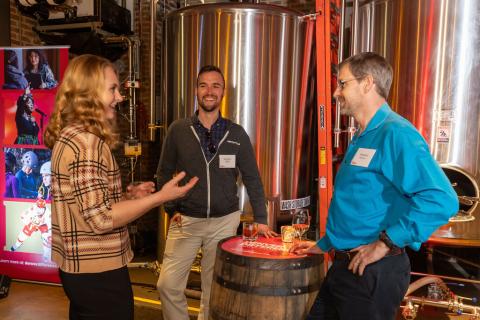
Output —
(363, 157)
(227, 161)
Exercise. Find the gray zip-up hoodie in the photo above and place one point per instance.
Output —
(215, 193)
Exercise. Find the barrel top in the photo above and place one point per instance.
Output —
(271, 248)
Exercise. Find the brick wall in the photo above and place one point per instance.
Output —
(21, 28)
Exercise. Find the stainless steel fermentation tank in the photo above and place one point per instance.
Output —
(260, 50)
(433, 47)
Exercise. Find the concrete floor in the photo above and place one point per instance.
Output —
(30, 301)
(34, 301)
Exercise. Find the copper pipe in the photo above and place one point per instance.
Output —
(414, 286)
(303, 100)
(153, 33)
(132, 99)
(451, 305)
(356, 22)
(341, 34)
(454, 303)
(446, 277)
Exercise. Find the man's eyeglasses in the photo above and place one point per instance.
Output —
(212, 148)
(341, 83)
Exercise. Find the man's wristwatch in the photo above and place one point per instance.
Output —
(386, 239)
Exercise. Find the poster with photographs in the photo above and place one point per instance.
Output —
(29, 78)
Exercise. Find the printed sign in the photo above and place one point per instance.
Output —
(29, 78)
(294, 203)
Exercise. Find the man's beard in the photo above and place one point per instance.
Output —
(345, 110)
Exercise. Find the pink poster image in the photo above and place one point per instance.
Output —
(26, 116)
(29, 78)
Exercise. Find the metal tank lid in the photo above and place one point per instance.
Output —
(362, 3)
(236, 7)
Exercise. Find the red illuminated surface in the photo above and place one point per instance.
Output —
(271, 248)
(425, 78)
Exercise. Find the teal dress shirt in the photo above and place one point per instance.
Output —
(388, 180)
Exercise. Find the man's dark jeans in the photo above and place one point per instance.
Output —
(376, 295)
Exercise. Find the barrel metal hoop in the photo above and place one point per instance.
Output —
(267, 291)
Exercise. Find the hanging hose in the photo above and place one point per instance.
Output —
(414, 286)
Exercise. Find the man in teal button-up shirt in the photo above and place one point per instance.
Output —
(389, 193)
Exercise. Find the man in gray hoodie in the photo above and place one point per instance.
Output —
(215, 150)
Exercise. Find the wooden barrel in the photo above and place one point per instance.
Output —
(262, 280)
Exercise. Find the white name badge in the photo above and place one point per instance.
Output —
(363, 157)
(227, 161)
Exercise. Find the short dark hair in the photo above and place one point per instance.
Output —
(210, 68)
(371, 63)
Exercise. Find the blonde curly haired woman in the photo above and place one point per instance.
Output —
(90, 241)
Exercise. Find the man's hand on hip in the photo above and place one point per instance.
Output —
(366, 255)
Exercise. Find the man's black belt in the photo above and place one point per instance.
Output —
(348, 255)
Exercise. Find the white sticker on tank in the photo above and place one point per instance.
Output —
(443, 134)
(445, 115)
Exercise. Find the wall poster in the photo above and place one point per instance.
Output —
(29, 78)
